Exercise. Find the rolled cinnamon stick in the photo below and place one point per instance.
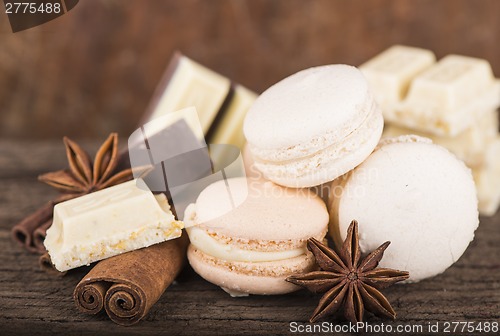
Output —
(23, 231)
(128, 285)
(39, 236)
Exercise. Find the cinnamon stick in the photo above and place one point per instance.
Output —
(39, 236)
(128, 285)
(23, 231)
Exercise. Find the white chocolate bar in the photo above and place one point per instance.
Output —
(446, 98)
(442, 98)
(390, 73)
(221, 106)
(108, 222)
(469, 146)
(192, 84)
(487, 179)
(230, 127)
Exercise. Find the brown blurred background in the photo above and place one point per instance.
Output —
(94, 69)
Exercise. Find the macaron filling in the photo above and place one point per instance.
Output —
(208, 245)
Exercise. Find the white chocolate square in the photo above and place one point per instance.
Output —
(193, 85)
(447, 97)
(230, 128)
(390, 73)
(487, 179)
(108, 222)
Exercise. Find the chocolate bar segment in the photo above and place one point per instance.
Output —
(390, 73)
(229, 129)
(108, 222)
(189, 84)
(176, 160)
(487, 178)
(446, 98)
(443, 98)
(221, 104)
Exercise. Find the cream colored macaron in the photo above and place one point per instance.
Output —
(415, 194)
(253, 248)
(313, 126)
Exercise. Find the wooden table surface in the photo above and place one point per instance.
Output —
(34, 302)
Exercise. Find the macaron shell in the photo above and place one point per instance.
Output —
(257, 278)
(269, 213)
(416, 195)
(306, 104)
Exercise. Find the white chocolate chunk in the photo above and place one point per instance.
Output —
(193, 85)
(469, 146)
(487, 179)
(447, 97)
(230, 128)
(390, 73)
(108, 222)
(443, 98)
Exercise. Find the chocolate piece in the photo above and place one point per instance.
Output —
(114, 220)
(172, 152)
(171, 144)
(390, 73)
(170, 147)
(185, 84)
(128, 285)
(221, 105)
(176, 161)
(82, 177)
(487, 179)
(443, 98)
(446, 98)
(228, 128)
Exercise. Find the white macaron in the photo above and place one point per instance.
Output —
(415, 194)
(313, 126)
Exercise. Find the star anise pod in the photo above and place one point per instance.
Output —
(349, 281)
(83, 176)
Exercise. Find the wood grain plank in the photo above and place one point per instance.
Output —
(31, 300)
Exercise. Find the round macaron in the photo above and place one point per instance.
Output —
(415, 194)
(253, 248)
(313, 126)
